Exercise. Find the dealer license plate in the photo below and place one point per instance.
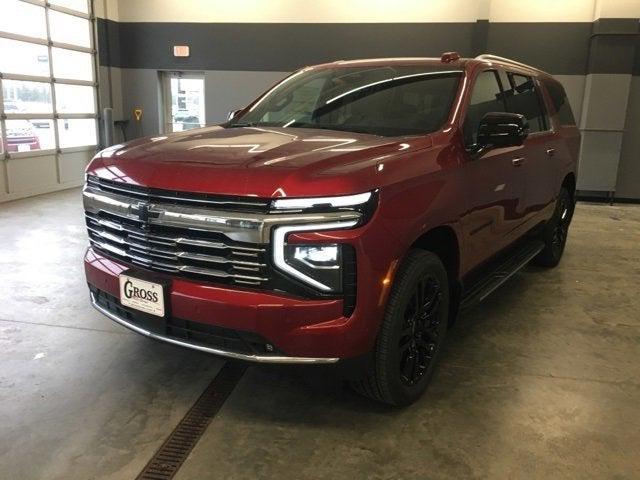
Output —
(147, 297)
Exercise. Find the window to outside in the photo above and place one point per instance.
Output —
(559, 99)
(388, 101)
(486, 97)
(184, 101)
(523, 98)
(47, 84)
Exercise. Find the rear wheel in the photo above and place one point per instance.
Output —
(411, 334)
(556, 231)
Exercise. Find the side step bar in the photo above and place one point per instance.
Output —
(498, 275)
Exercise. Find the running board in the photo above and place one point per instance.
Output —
(502, 272)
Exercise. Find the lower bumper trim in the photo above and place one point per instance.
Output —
(204, 348)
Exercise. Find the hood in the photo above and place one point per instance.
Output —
(257, 161)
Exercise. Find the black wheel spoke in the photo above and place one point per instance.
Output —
(420, 292)
(419, 336)
(407, 367)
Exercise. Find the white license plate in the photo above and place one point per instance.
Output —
(141, 295)
(24, 147)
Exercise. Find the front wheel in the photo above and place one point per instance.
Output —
(556, 231)
(412, 332)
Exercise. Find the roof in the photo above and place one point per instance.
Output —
(448, 60)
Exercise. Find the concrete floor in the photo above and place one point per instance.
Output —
(542, 380)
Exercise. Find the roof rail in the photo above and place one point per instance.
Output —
(489, 57)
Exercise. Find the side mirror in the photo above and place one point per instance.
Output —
(233, 114)
(502, 129)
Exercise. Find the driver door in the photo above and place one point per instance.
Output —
(495, 181)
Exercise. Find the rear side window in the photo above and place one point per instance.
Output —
(560, 102)
(523, 98)
(486, 97)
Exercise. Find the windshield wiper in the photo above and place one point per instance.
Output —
(243, 125)
(337, 128)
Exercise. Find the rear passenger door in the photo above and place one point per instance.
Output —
(538, 167)
(494, 184)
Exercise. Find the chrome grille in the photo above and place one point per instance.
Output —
(183, 251)
(175, 252)
(222, 240)
(171, 197)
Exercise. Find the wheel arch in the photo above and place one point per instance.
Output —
(443, 242)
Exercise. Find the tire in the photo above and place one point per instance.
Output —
(555, 231)
(411, 334)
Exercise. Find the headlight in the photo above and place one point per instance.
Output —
(313, 202)
(322, 263)
(363, 203)
(317, 265)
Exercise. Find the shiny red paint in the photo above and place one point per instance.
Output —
(425, 182)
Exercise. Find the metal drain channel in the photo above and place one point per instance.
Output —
(166, 462)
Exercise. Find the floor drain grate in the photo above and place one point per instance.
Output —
(174, 451)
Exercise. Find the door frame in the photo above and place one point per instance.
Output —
(165, 96)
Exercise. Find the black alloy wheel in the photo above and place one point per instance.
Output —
(561, 229)
(419, 337)
(556, 231)
(412, 332)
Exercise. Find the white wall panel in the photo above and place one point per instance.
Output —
(108, 9)
(301, 11)
(542, 11)
(574, 86)
(363, 11)
(617, 9)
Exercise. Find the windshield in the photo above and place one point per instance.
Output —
(387, 101)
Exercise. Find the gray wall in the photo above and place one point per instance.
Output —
(592, 60)
(231, 90)
(628, 184)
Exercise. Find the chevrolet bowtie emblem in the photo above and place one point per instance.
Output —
(145, 211)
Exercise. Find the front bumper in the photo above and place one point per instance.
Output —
(194, 345)
(300, 330)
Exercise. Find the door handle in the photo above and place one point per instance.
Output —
(551, 152)
(516, 162)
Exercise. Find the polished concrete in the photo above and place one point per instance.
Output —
(540, 381)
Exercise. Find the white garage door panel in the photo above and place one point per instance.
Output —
(32, 174)
(3, 182)
(72, 166)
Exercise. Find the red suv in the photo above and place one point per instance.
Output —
(347, 213)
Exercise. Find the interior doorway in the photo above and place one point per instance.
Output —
(183, 96)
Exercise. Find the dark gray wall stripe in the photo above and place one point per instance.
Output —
(560, 48)
(636, 62)
(109, 43)
(480, 37)
(278, 47)
(614, 43)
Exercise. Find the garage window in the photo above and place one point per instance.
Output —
(47, 77)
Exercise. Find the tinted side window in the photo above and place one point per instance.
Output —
(523, 98)
(559, 99)
(486, 97)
